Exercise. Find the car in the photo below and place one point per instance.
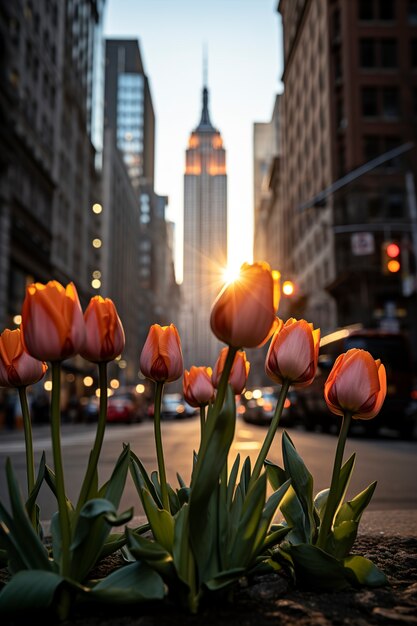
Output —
(123, 408)
(257, 406)
(89, 408)
(393, 349)
(173, 406)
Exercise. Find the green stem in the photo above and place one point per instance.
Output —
(202, 420)
(59, 468)
(333, 498)
(27, 426)
(159, 448)
(224, 379)
(101, 426)
(271, 433)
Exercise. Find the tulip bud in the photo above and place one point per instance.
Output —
(52, 321)
(243, 314)
(17, 367)
(293, 353)
(238, 374)
(105, 338)
(161, 357)
(197, 386)
(357, 384)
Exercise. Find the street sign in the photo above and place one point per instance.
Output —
(362, 243)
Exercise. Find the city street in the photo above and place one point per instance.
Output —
(393, 463)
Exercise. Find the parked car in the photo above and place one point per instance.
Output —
(173, 406)
(122, 407)
(257, 406)
(394, 351)
(89, 408)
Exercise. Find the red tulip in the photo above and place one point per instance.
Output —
(17, 367)
(105, 338)
(243, 314)
(52, 321)
(357, 384)
(293, 353)
(161, 358)
(239, 372)
(197, 386)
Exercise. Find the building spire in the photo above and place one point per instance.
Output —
(205, 123)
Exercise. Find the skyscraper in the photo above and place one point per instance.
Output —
(205, 237)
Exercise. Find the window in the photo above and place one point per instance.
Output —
(371, 147)
(386, 9)
(367, 52)
(369, 102)
(366, 9)
(390, 102)
(388, 53)
(412, 11)
(413, 44)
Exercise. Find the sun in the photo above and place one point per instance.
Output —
(231, 273)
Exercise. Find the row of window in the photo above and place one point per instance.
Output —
(385, 10)
(381, 102)
(383, 53)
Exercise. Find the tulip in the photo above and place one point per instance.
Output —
(356, 384)
(239, 372)
(197, 386)
(293, 353)
(243, 315)
(17, 367)
(105, 338)
(355, 388)
(52, 321)
(161, 357)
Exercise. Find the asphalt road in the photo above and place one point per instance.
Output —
(393, 463)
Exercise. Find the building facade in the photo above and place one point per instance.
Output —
(205, 238)
(350, 96)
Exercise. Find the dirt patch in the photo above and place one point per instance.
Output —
(272, 600)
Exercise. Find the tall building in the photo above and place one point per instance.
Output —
(350, 95)
(48, 180)
(129, 109)
(205, 237)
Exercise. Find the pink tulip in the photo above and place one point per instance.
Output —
(244, 313)
(293, 353)
(161, 358)
(105, 338)
(52, 321)
(239, 372)
(356, 384)
(17, 367)
(197, 386)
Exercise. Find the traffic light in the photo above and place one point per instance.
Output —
(390, 257)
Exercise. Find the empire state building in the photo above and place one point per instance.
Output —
(205, 238)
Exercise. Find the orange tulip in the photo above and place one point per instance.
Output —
(239, 372)
(197, 386)
(293, 353)
(243, 314)
(105, 338)
(357, 384)
(52, 321)
(17, 367)
(161, 358)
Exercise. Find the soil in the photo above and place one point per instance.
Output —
(272, 600)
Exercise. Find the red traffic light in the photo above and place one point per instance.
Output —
(392, 250)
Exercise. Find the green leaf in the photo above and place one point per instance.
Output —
(92, 510)
(301, 481)
(245, 476)
(316, 570)
(182, 553)
(29, 590)
(293, 513)
(161, 522)
(152, 553)
(342, 538)
(362, 571)
(275, 474)
(181, 481)
(352, 510)
(320, 502)
(344, 479)
(225, 579)
(141, 479)
(31, 501)
(232, 481)
(267, 516)
(130, 584)
(22, 538)
(114, 542)
(275, 536)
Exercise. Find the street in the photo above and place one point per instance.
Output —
(393, 463)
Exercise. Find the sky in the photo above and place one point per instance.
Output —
(244, 49)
